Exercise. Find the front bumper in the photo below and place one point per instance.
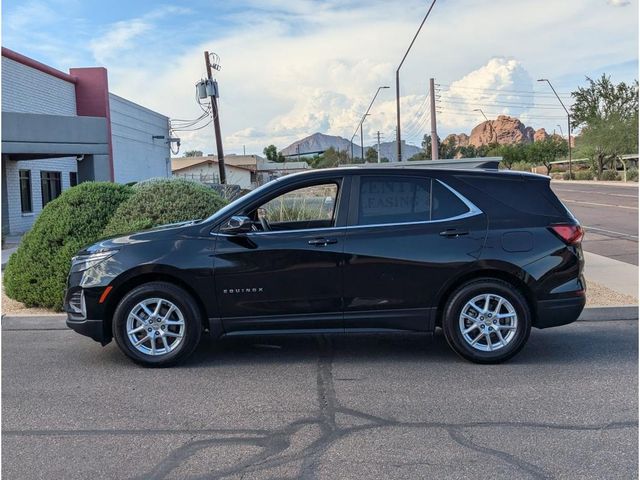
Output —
(90, 328)
(553, 313)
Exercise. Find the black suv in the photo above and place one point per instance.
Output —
(483, 254)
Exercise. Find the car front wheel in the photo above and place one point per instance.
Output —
(157, 324)
(487, 321)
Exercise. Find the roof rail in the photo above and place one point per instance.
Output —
(490, 163)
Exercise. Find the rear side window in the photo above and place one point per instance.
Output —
(384, 200)
(393, 200)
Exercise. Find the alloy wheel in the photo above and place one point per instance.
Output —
(155, 326)
(488, 322)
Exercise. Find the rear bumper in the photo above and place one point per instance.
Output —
(90, 328)
(553, 313)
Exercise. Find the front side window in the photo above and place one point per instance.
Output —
(51, 186)
(385, 200)
(307, 207)
(25, 191)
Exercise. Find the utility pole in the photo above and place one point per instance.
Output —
(298, 151)
(434, 130)
(362, 141)
(216, 122)
(378, 146)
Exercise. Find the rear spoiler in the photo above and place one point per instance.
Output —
(487, 163)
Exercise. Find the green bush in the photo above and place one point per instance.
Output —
(567, 176)
(36, 273)
(632, 175)
(158, 202)
(609, 175)
(583, 175)
(522, 166)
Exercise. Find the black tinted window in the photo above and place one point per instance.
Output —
(393, 200)
(445, 204)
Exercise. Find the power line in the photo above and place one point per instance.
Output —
(531, 92)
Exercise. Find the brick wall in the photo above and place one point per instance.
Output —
(27, 90)
(21, 222)
(136, 154)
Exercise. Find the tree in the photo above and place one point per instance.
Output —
(331, 158)
(272, 154)
(371, 155)
(546, 151)
(511, 154)
(193, 153)
(608, 116)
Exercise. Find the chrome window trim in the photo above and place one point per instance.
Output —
(473, 211)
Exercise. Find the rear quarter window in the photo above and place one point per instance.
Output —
(532, 196)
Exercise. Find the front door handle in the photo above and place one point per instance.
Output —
(322, 242)
(454, 232)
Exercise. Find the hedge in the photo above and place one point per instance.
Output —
(158, 202)
(36, 273)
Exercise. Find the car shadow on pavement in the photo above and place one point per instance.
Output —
(564, 345)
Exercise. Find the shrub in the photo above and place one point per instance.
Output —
(522, 166)
(162, 201)
(583, 175)
(632, 175)
(609, 175)
(36, 273)
(567, 176)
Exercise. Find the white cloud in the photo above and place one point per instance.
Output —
(619, 3)
(292, 67)
(498, 87)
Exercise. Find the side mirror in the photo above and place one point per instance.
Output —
(237, 224)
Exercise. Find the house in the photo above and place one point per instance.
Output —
(59, 129)
(206, 170)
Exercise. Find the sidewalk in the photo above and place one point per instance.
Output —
(619, 276)
(11, 243)
(596, 182)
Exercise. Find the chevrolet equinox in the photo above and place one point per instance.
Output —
(483, 254)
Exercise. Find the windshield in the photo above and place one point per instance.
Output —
(226, 210)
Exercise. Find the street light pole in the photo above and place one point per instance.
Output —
(561, 134)
(398, 142)
(568, 121)
(490, 124)
(360, 125)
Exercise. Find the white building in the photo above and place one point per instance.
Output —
(59, 129)
(206, 170)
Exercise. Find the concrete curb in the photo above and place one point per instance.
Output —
(57, 321)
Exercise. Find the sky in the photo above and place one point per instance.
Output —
(290, 68)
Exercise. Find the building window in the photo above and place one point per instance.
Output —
(25, 191)
(51, 186)
(73, 179)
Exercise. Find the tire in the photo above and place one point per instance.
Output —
(175, 329)
(474, 332)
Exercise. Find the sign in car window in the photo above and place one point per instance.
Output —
(384, 200)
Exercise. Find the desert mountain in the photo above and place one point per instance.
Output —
(503, 130)
(320, 142)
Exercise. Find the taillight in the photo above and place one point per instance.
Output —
(569, 234)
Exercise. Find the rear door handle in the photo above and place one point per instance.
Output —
(322, 242)
(454, 232)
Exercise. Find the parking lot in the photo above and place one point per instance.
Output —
(358, 406)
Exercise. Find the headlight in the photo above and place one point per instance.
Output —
(84, 262)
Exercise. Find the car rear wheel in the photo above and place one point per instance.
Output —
(157, 324)
(487, 321)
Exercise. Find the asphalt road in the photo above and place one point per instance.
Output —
(609, 214)
(325, 407)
